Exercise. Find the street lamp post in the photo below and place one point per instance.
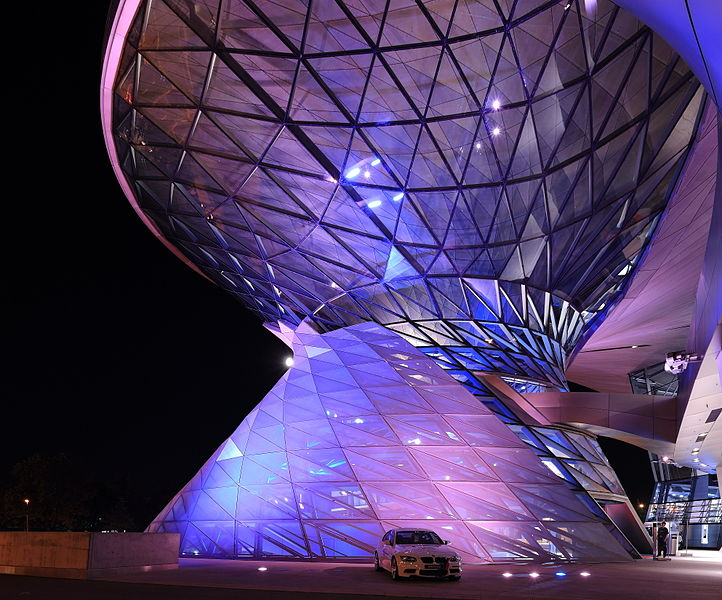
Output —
(27, 519)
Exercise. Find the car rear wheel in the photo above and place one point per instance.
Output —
(394, 570)
(377, 564)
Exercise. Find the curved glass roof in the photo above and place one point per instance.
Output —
(417, 166)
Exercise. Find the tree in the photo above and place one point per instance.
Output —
(60, 494)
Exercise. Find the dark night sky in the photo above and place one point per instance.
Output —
(115, 352)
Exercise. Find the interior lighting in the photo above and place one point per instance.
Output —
(496, 105)
(641, 505)
(665, 458)
(398, 197)
(367, 173)
(695, 451)
(478, 145)
(695, 460)
(289, 361)
(495, 131)
(376, 162)
(374, 203)
(357, 420)
(352, 173)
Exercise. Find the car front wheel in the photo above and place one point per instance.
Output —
(394, 570)
(377, 564)
(454, 577)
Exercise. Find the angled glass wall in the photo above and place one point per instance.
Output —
(365, 434)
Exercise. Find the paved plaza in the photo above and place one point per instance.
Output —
(694, 577)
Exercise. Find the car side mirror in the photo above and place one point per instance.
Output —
(447, 542)
(387, 542)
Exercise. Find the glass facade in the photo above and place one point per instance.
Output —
(470, 182)
(479, 177)
(693, 508)
(654, 380)
(365, 434)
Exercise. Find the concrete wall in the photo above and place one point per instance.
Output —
(75, 554)
(58, 550)
(113, 550)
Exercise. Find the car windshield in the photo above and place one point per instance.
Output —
(417, 537)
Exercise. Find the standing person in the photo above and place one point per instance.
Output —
(662, 535)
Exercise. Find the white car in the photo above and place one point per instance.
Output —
(416, 553)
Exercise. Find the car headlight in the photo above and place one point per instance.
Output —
(455, 558)
(408, 559)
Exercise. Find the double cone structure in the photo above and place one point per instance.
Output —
(420, 196)
(363, 434)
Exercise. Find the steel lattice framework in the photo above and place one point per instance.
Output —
(478, 176)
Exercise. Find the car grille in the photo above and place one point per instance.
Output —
(434, 573)
(430, 559)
